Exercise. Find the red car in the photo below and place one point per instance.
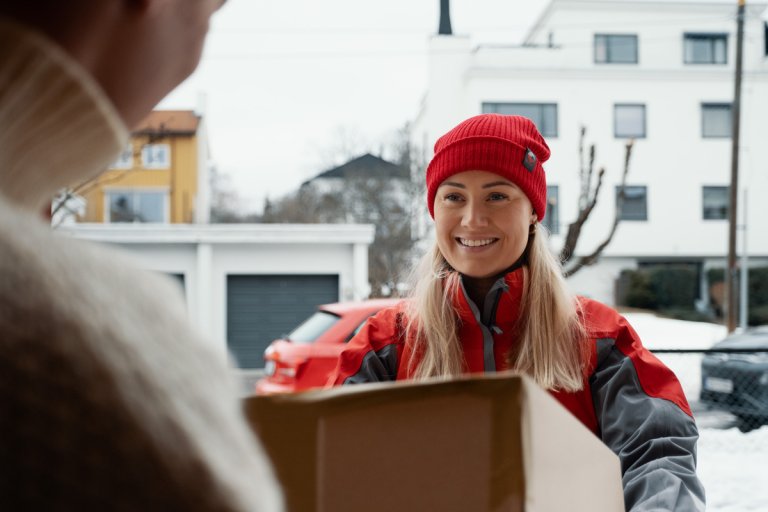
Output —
(308, 355)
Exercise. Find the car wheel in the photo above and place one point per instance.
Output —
(748, 423)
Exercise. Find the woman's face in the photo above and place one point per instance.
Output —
(482, 222)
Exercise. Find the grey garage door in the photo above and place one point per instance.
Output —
(261, 308)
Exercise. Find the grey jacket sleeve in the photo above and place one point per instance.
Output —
(378, 366)
(653, 437)
(372, 354)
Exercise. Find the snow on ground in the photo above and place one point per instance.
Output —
(732, 465)
(659, 333)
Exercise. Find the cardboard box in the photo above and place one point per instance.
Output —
(496, 442)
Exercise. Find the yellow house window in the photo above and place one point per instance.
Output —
(125, 159)
(156, 156)
(136, 206)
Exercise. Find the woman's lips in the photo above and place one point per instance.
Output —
(473, 243)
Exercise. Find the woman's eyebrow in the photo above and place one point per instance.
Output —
(497, 183)
(487, 185)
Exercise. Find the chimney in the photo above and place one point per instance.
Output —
(445, 18)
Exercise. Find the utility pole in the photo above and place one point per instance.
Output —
(744, 284)
(445, 18)
(734, 189)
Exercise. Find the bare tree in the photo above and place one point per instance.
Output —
(373, 197)
(590, 184)
(386, 205)
(226, 203)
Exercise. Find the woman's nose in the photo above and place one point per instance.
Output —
(474, 215)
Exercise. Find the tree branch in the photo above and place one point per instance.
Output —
(590, 259)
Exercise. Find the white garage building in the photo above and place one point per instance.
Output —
(246, 284)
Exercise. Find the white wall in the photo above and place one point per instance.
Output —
(206, 255)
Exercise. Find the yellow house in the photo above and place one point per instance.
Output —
(160, 177)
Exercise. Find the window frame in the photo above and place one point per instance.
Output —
(609, 37)
(712, 37)
(622, 216)
(121, 163)
(158, 166)
(551, 220)
(615, 121)
(133, 191)
(724, 188)
(494, 107)
(714, 104)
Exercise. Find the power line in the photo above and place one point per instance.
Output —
(477, 28)
(422, 51)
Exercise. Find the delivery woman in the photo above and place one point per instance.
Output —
(490, 296)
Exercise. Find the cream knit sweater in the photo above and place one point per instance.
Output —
(108, 399)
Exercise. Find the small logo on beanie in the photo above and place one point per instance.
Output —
(529, 160)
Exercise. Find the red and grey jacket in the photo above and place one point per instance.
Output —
(630, 399)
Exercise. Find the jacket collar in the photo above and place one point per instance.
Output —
(510, 286)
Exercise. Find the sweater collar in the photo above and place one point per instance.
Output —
(57, 127)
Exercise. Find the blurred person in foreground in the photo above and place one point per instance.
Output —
(108, 399)
(490, 296)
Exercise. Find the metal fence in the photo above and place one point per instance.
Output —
(728, 393)
(731, 384)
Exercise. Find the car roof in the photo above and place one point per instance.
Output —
(341, 308)
(754, 337)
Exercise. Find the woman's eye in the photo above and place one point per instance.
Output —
(497, 196)
(452, 197)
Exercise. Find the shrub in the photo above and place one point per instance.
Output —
(674, 287)
(638, 291)
(758, 292)
(667, 287)
(758, 315)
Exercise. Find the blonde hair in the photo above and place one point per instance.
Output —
(551, 344)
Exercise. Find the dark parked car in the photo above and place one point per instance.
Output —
(736, 379)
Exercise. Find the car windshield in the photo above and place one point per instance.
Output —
(313, 327)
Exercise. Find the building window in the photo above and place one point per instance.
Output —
(706, 48)
(551, 219)
(714, 203)
(615, 49)
(156, 156)
(629, 121)
(716, 120)
(765, 37)
(635, 204)
(125, 159)
(543, 115)
(136, 206)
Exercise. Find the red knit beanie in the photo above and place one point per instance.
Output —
(509, 146)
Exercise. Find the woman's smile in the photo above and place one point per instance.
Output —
(474, 243)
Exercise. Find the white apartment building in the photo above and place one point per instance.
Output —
(659, 72)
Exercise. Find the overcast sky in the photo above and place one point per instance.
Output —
(291, 85)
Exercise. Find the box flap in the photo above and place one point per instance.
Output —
(557, 447)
